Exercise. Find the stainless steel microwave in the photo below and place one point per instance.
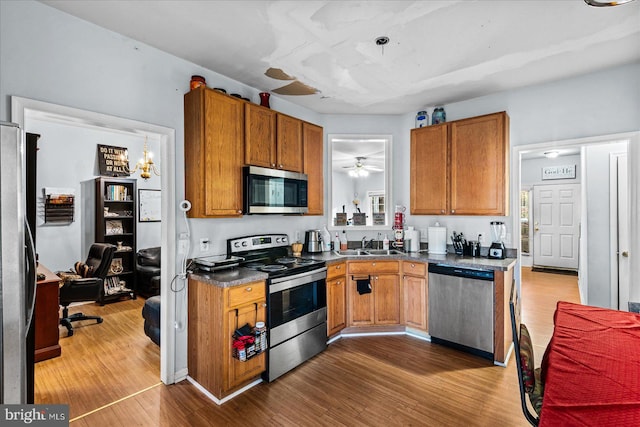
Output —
(274, 191)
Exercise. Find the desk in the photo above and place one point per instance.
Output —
(46, 315)
(591, 368)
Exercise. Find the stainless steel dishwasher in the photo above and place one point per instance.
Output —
(461, 309)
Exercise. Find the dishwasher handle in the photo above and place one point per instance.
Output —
(471, 273)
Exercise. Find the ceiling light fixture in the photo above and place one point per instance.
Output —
(382, 41)
(551, 154)
(602, 3)
(145, 165)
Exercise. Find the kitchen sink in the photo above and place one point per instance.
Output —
(384, 252)
(352, 252)
(369, 252)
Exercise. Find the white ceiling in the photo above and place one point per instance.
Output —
(439, 51)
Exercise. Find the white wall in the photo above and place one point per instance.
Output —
(67, 158)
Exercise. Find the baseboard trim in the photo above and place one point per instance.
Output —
(553, 270)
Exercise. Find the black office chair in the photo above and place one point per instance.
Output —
(531, 385)
(89, 286)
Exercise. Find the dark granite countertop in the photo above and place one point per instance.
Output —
(239, 276)
(451, 259)
(228, 278)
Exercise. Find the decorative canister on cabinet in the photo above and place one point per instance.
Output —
(438, 116)
(422, 119)
(197, 81)
(264, 99)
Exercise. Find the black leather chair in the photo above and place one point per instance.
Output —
(148, 272)
(87, 288)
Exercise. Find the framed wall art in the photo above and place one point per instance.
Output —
(150, 206)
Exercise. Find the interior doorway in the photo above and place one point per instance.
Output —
(23, 108)
(594, 253)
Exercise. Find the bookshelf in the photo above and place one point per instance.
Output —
(116, 224)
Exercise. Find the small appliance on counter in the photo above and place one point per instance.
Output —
(437, 240)
(412, 239)
(498, 233)
(312, 242)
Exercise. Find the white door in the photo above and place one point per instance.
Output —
(622, 251)
(556, 225)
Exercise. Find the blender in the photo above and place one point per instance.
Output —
(498, 233)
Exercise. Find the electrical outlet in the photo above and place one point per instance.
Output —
(481, 239)
(204, 244)
(182, 246)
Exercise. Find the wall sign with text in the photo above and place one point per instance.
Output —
(113, 161)
(559, 172)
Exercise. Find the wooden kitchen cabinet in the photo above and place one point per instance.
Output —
(336, 298)
(382, 305)
(260, 136)
(289, 146)
(461, 167)
(313, 166)
(415, 294)
(214, 153)
(214, 314)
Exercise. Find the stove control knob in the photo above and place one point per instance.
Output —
(244, 244)
(284, 239)
(236, 245)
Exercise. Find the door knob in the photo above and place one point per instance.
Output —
(625, 254)
(537, 228)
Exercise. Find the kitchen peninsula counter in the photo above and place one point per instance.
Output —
(239, 275)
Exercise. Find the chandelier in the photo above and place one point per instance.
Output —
(145, 165)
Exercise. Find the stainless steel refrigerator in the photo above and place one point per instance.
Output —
(17, 272)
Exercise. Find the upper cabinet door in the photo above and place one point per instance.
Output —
(313, 151)
(289, 144)
(214, 153)
(479, 155)
(260, 136)
(429, 171)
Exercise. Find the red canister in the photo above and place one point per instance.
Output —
(197, 81)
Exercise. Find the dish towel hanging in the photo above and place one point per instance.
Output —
(363, 286)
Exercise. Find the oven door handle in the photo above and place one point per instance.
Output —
(282, 283)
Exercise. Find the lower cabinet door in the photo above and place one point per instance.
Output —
(415, 302)
(386, 289)
(238, 371)
(360, 306)
(336, 305)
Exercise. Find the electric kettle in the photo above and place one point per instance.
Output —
(312, 242)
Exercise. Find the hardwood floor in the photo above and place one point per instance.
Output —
(359, 381)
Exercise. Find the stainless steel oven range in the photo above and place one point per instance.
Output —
(296, 300)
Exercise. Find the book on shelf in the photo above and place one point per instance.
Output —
(118, 193)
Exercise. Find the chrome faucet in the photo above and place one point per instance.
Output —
(364, 242)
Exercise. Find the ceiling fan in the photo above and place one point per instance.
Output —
(359, 169)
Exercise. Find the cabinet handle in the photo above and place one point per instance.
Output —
(453, 211)
(338, 282)
(338, 267)
(248, 289)
(373, 263)
(280, 166)
(442, 211)
(413, 265)
(239, 211)
(273, 165)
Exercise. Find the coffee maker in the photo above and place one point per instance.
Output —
(498, 233)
